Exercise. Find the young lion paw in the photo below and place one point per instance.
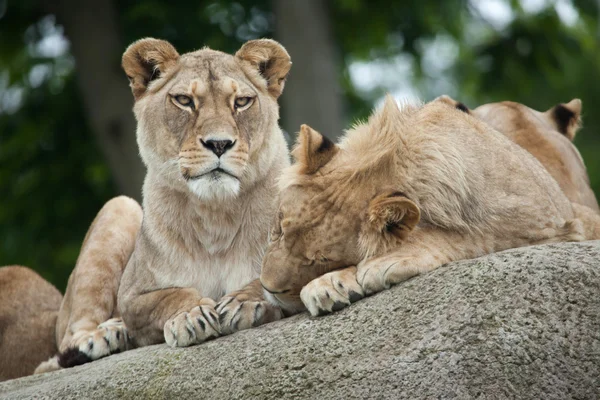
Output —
(380, 274)
(109, 338)
(238, 312)
(195, 326)
(331, 292)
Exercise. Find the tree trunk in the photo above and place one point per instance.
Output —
(312, 93)
(92, 29)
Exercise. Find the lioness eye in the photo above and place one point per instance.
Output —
(184, 100)
(242, 103)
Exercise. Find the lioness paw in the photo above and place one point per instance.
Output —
(238, 312)
(195, 326)
(331, 292)
(109, 338)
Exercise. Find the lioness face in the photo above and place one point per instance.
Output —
(328, 220)
(208, 123)
(203, 116)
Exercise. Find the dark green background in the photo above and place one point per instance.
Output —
(53, 178)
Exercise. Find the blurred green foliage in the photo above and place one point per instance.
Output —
(53, 179)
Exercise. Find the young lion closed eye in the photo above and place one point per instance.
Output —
(412, 189)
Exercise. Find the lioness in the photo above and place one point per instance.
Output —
(548, 136)
(209, 136)
(208, 132)
(408, 191)
(28, 310)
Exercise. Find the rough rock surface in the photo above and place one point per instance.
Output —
(522, 323)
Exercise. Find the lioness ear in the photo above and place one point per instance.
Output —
(566, 117)
(393, 212)
(146, 60)
(312, 150)
(270, 59)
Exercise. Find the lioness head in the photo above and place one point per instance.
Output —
(204, 116)
(546, 135)
(508, 116)
(331, 215)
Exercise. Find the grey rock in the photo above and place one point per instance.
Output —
(523, 323)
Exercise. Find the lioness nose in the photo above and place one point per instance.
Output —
(219, 147)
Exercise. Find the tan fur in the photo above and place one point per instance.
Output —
(408, 191)
(547, 136)
(537, 133)
(88, 319)
(204, 232)
(28, 311)
(90, 298)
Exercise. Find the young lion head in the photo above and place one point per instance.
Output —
(332, 214)
(203, 117)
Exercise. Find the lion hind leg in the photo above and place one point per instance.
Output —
(28, 310)
(87, 327)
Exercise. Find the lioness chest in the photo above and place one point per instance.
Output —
(214, 258)
(217, 275)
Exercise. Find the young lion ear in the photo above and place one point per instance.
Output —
(393, 212)
(146, 60)
(566, 117)
(270, 59)
(312, 150)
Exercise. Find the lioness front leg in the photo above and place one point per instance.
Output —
(246, 308)
(178, 316)
(88, 326)
(331, 292)
(194, 326)
(424, 250)
(154, 304)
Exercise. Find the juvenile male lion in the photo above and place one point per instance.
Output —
(402, 194)
(208, 134)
